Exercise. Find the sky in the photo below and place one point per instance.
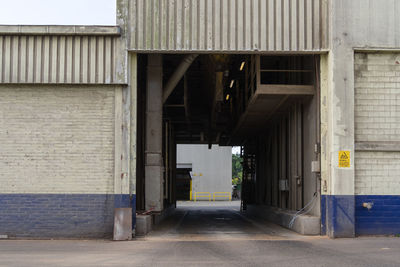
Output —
(58, 12)
(236, 150)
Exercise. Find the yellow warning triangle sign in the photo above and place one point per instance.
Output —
(344, 159)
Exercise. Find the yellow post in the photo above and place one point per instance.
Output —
(191, 190)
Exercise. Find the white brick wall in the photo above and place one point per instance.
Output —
(377, 173)
(377, 97)
(377, 118)
(56, 139)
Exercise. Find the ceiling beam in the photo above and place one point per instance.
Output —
(177, 75)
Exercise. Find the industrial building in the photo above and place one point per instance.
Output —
(208, 172)
(90, 117)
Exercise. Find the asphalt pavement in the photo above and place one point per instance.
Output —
(207, 234)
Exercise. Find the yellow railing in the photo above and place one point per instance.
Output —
(222, 195)
(215, 195)
(202, 194)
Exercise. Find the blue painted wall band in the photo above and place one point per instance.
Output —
(340, 216)
(337, 215)
(323, 214)
(122, 201)
(345, 216)
(133, 205)
(60, 215)
(382, 219)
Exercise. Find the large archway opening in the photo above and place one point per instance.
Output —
(268, 105)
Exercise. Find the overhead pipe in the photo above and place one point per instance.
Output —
(177, 75)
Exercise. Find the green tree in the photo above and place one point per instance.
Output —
(236, 169)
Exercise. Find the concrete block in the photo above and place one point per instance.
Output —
(143, 224)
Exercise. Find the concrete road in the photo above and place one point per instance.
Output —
(203, 235)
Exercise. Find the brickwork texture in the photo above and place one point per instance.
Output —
(56, 139)
(57, 161)
(377, 119)
(56, 215)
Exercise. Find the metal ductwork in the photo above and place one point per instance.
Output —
(177, 75)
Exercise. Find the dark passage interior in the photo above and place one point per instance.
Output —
(266, 104)
(216, 220)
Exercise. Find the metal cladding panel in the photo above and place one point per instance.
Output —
(58, 59)
(229, 25)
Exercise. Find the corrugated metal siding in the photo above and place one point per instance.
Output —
(229, 25)
(57, 59)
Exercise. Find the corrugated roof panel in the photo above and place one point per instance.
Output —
(58, 59)
(229, 25)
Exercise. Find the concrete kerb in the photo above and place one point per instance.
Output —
(304, 224)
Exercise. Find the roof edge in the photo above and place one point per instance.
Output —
(59, 30)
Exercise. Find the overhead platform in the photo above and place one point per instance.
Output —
(260, 109)
(267, 98)
(224, 99)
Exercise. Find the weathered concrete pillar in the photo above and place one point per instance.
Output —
(337, 130)
(133, 132)
(153, 152)
(124, 200)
